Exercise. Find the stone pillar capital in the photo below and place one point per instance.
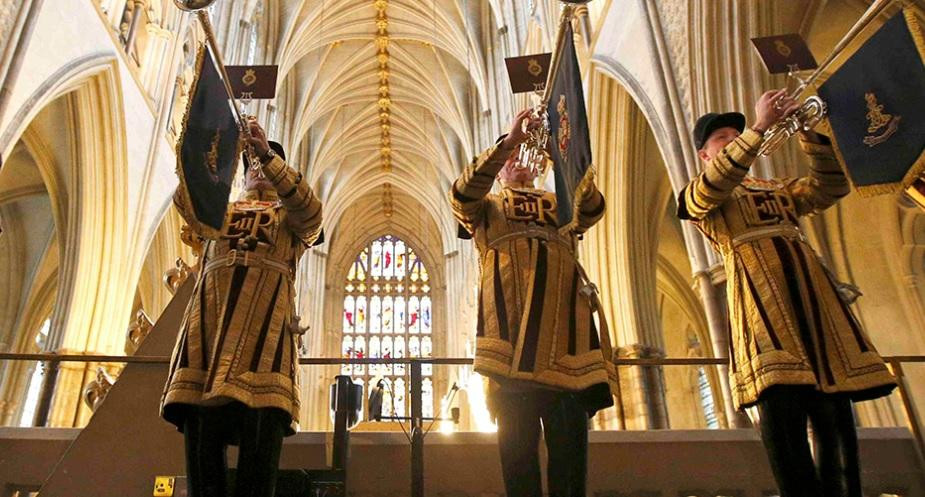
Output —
(638, 351)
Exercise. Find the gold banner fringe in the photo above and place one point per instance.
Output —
(867, 191)
(912, 15)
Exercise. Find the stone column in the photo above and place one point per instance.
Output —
(156, 59)
(133, 11)
(17, 19)
(711, 285)
(68, 383)
(311, 296)
(643, 389)
(620, 252)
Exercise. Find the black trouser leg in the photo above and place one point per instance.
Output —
(206, 463)
(783, 431)
(262, 433)
(836, 442)
(565, 427)
(518, 443)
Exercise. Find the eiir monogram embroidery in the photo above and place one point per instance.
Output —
(530, 207)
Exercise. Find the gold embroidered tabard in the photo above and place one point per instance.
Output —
(237, 340)
(535, 319)
(789, 326)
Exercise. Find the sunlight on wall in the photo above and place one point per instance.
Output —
(477, 403)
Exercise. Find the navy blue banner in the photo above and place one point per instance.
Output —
(876, 102)
(209, 147)
(568, 125)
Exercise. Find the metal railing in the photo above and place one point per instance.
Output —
(415, 365)
(895, 363)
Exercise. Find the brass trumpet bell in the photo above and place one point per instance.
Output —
(814, 109)
(807, 117)
(532, 153)
(193, 5)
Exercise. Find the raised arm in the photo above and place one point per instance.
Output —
(720, 176)
(303, 208)
(826, 182)
(467, 195)
(726, 168)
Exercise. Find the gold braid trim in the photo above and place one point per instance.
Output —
(912, 14)
(204, 230)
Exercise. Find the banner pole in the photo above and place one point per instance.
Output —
(566, 17)
(863, 22)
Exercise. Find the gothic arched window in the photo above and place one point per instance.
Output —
(35, 381)
(388, 314)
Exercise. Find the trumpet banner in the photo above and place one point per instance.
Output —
(208, 148)
(876, 102)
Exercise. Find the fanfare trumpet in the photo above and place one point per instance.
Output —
(193, 5)
(533, 153)
(199, 7)
(813, 109)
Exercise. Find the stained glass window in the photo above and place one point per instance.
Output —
(706, 399)
(414, 314)
(427, 398)
(375, 311)
(361, 314)
(398, 392)
(349, 314)
(347, 351)
(388, 314)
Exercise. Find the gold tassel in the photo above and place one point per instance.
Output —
(586, 181)
(912, 14)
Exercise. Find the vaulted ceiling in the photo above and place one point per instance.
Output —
(383, 92)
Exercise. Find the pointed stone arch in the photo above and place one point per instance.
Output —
(87, 177)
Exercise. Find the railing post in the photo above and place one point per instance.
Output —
(342, 410)
(914, 426)
(417, 431)
(137, 10)
(47, 393)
